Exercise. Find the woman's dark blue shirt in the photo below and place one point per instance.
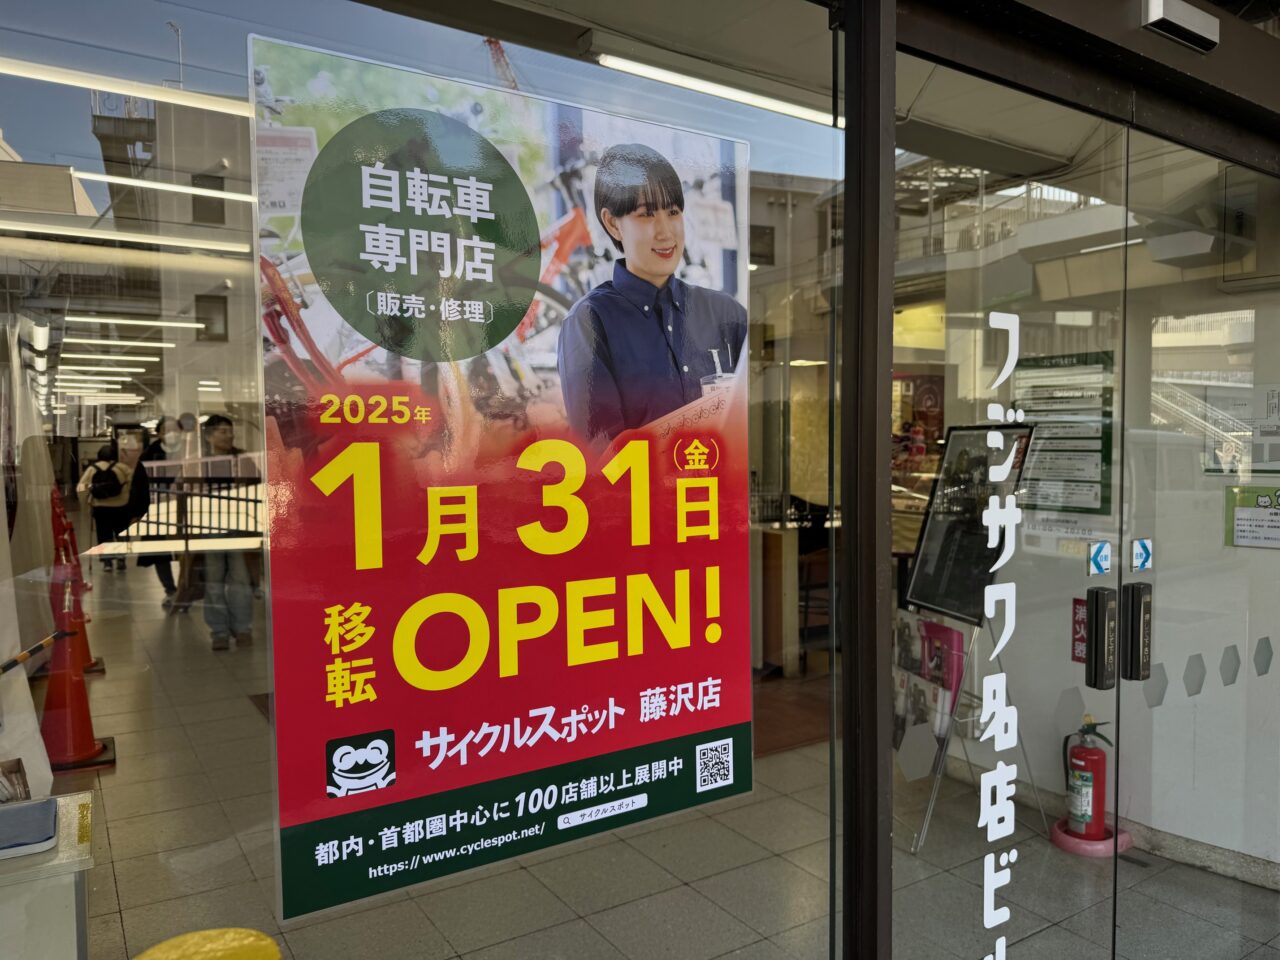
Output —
(630, 352)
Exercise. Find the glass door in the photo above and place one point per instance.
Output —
(1009, 282)
(1199, 775)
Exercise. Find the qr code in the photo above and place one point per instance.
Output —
(715, 764)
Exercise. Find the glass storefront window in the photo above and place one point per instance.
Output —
(167, 311)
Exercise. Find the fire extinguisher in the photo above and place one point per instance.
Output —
(1084, 765)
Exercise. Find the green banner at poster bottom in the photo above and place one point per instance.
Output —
(341, 859)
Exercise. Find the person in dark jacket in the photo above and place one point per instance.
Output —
(643, 344)
(168, 445)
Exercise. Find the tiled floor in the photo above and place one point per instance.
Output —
(1061, 905)
(182, 841)
(183, 835)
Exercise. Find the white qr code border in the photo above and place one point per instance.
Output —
(724, 753)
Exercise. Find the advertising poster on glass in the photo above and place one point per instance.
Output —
(507, 470)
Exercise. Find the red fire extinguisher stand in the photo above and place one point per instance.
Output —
(1084, 830)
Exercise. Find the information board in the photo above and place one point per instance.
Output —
(1252, 517)
(509, 573)
(1069, 398)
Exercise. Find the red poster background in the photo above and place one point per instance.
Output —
(313, 567)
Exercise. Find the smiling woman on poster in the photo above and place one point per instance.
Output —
(639, 346)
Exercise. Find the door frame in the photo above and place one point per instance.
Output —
(1090, 56)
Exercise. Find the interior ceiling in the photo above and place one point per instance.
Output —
(970, 123)
(789, 42)
(786, 40)
(1252, 11)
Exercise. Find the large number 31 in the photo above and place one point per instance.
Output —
(361, 463)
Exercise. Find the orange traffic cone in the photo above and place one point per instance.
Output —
(67, 726)
(69, 604)
(84, 585)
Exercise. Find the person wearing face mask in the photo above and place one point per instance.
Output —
(168, 445)
(639, 346)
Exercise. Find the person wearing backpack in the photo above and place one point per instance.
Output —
(107, 483)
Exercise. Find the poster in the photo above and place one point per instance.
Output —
(1070, 400)
(1241, 432)
(1252, 517)
(508, 533)
(928, 669)
(952, 567)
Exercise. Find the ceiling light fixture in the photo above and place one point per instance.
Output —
(127, 236)
(135, 322)
(132, 358)
(725, 92)
(1112, 246)
(166, 187)
(85, 368)
(164, 344)
(129, 88)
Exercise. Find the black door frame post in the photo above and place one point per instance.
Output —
(866, 358)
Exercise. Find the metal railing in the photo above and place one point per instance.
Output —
(996, 220)
(205, 498)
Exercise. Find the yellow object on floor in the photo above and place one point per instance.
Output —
(232, 943)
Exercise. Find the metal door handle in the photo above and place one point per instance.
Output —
(1136, 615)
(1102, 629)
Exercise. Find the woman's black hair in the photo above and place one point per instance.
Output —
(631, 174)
(214, 421)
(108, 452)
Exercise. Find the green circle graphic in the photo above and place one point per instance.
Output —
(366, 229)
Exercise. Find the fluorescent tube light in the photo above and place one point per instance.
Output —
(210, 383)
(85, 368)
(163, 344)
(1112, 246)
(90, 378)
(808, 363)
(130, 88)
(134, 322)
(166, 187)
(209, 389)
(88, 389)
(716, 89)
(128, 236)
(132, 358)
